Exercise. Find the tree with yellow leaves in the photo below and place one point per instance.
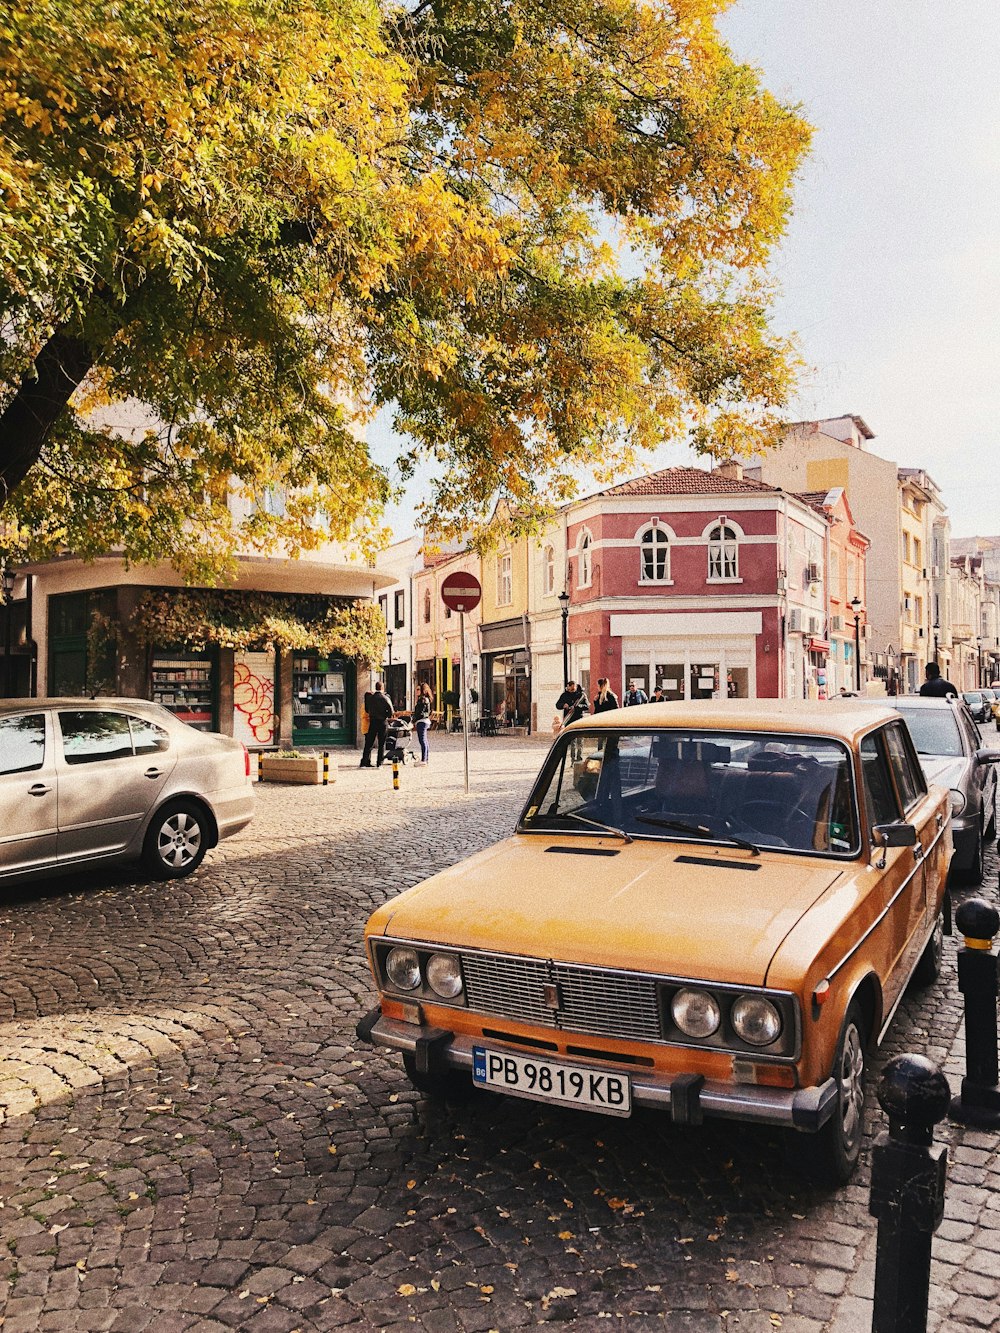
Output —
(537, 228)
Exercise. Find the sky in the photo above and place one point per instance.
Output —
(889, 274)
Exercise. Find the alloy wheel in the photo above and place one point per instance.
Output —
(179, 840)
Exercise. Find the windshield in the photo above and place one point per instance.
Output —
(767, 790)
(974, 698)
(934, 731)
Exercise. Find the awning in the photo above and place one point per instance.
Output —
(817, 646)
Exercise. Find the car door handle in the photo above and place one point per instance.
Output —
(153, 773)
(38, 789)
(918, 852)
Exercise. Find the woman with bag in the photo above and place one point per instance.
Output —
(421, 718)
(605, 699)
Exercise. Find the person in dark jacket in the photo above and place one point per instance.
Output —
(379, 708)
(421, 718)
(605, 699)
(572, 702)
(935, 685)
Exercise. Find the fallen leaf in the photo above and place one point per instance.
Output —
(407, 1289)
(487, 1291)
(565, 1235)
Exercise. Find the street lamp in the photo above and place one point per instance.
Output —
(8, 598)
(937, 630)
(979, 654)
(388, 645)
(564, 608)
(855, 605)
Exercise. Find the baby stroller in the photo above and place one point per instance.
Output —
(397, 733)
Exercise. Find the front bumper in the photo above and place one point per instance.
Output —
(965, 836)
(688, 1098)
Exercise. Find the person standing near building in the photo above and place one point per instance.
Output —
(636, 695)
(421, 717)
(572, 702)
(379, 708)
(935, 685)
(605, 699)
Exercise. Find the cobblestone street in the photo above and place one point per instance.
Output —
(192, 1137)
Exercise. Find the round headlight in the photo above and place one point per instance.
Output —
(695, 1012)
(444, 975)
(403, 968)
(958, 802)
(756, 1020)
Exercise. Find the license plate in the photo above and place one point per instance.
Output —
(546, 1081)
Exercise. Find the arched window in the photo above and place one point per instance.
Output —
(548, 571)
(723, 549)
(655, 547)
(427, 606)
(584, 569)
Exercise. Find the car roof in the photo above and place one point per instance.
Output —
(25, 705)
(928, 701)
(844, 719)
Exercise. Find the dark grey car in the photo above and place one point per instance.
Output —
(952, 754)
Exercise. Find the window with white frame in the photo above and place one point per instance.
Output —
(723, 551)
(655, 557)
(548, 571)
(584, 568)
(505, 589)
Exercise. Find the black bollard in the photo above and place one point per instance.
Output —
(979, 1103)
(907, 1195)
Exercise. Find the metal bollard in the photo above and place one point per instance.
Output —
(326, 768)
(395, 775)
(907, 1194)
(260, 765)
(979, 1103)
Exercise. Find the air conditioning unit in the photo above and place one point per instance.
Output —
(814, 625)
(866, 631)
(781, 583)
(836, 624)
(795, 621)
(812, 573)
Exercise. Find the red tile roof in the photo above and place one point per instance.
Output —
(689, 481)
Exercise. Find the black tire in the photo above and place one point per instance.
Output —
(928, 969)
(839, 1141)
(176, 840)
(446, 1085)
(973, 874)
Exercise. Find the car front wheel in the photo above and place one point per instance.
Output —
(176, 841)
(840, 1138)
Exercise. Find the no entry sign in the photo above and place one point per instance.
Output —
(461, 592)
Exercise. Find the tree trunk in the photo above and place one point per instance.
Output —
(28, 419)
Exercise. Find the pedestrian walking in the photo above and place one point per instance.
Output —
(636, 695)
(935, 685)
(421, 718)
(605, 699)
(379, 708)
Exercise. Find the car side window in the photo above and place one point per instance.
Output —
(905, 766)
(89, 737)
(22, 743)
(147, 737)
(879, 795)
(973, 735)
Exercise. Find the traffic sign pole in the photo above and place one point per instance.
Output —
(465, 700)
(462, 592)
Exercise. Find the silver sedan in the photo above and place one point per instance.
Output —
(88, 781)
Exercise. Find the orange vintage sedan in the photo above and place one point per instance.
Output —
(711, 908)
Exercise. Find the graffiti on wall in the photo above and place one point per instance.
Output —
(253, 698)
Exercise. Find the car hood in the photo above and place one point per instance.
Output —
(683, 909)
(944, 770)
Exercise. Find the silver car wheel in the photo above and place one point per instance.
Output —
(179, 840)
(851, 1081)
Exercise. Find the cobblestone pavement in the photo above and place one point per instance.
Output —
(191, 1137)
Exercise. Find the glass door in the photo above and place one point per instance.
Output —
(186, 684)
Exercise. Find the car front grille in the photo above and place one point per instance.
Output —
(599, 1001)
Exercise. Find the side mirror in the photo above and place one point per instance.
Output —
(895, 835)
(988, 756)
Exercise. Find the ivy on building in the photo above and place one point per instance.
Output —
(199, 618)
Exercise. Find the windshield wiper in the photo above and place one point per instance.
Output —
(698, 830)
(594, 823)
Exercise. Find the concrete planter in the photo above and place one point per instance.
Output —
(306, 770)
